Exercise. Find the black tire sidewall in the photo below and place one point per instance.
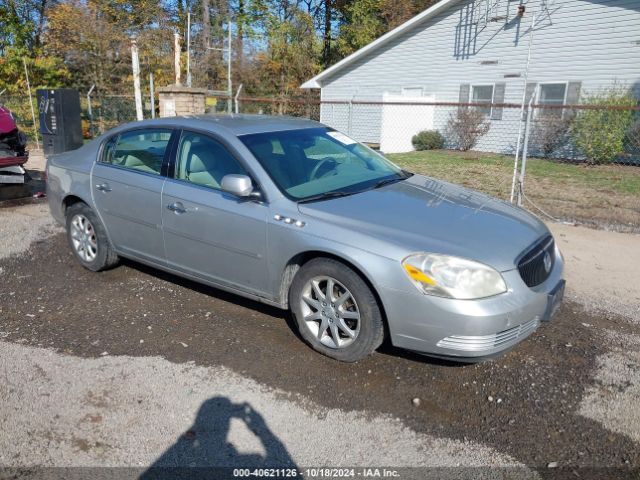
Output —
(104, 247)
(371, 325)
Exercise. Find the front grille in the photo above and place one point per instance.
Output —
(536, 263)
(478, 343)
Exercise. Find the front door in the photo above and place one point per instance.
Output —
(127, 190)
(207, 232)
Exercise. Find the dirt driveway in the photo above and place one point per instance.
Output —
(134, 367)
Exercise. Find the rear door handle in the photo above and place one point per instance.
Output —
(103, 187)
(177, 207)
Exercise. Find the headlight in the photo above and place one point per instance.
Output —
(453, 277)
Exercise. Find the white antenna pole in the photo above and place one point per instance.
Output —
(135, 61)
(229, 84)
(33, 113)
(188, 49)
(524, 102)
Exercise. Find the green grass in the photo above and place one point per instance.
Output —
(600, 194)
(454, 165)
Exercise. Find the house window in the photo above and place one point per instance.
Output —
(552, 94)
(482, 94)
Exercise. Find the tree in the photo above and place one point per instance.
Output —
(22, 23)
(362, 21)
(361, 24)
(292, 52)
(44, 71)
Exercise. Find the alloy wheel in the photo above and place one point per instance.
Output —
(83, 238)
(330, 312)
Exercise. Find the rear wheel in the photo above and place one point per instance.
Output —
(88, 238)
(335, 310)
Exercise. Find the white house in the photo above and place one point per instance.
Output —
(481, 51)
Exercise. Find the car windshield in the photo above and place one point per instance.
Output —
(317, 163)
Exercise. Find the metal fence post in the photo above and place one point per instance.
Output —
(90, 111)
(33, 115)
(152, 96)
(525, 150)
(236, 99)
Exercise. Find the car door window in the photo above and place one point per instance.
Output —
(204, 161)
(141, 150)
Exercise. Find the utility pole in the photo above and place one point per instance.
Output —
(135, 61)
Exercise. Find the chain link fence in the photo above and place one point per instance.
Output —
(98, 115)
(573, 163)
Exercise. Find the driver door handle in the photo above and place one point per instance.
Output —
(177, 207)
(103, 187)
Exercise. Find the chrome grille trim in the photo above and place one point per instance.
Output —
(477, 343)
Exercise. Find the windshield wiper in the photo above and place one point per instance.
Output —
(388, 181)
(325, 196)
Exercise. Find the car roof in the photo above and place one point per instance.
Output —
(230, 123)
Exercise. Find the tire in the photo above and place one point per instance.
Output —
(88, 238)
(320, 320)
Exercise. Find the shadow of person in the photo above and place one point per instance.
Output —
(204, 450)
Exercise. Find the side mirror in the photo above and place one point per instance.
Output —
(238, 185)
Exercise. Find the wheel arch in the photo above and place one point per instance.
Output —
(297, 261)
(72, 199)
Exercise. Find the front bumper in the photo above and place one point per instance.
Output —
(470, 330)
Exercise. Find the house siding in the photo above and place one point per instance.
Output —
(595, 43)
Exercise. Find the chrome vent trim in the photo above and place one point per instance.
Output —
(477, 343)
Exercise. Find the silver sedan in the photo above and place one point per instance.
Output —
(294, 214)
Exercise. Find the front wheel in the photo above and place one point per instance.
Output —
(335, 310)
(88, 238)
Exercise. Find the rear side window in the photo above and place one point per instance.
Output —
(141, 150)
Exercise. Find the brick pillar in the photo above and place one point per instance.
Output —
(177, 100)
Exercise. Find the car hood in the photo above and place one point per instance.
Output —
(422, 214)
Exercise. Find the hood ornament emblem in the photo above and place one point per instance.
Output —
(547, 262)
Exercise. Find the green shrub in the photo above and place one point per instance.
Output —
(428, 140)
(600, 133)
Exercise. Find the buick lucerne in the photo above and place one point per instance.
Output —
(295, 214)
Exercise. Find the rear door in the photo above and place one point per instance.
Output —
(209, 233)
(127, 190)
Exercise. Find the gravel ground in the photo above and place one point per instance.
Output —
(24, 226)
(120, 363)
(600, 268)
(614, 398)
(83, 407)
